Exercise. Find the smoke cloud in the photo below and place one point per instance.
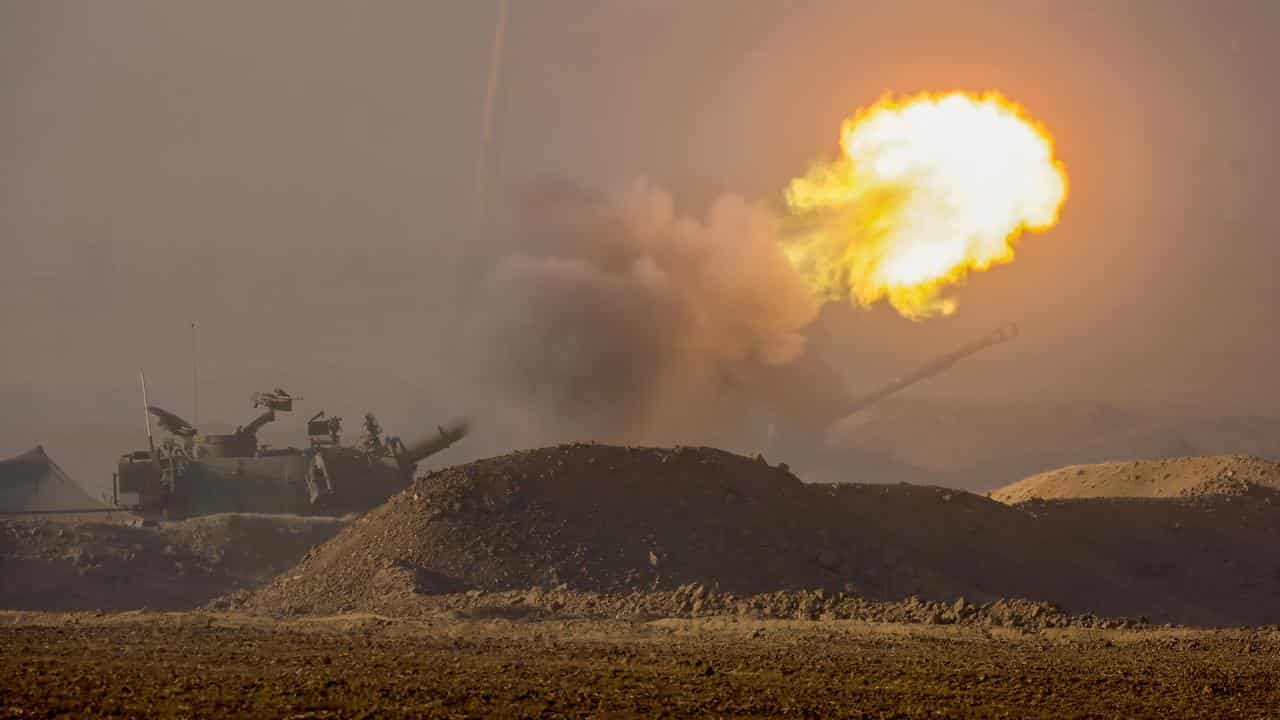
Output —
(624, 320)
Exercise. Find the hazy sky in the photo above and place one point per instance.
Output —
(296, 177)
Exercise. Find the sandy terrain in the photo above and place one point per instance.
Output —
(589, 580)
(213, 665)
(1175, 477)
(70, 563)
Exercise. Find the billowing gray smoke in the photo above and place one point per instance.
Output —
(621, 320)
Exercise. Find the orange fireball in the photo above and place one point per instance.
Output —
(927, 189)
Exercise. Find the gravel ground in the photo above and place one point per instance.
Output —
(451, 665)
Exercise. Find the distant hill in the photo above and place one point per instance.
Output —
(1177, 477)
(979, 446)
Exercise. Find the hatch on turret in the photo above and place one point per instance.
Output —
(234, 445)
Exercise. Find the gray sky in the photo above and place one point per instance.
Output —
(295, 176)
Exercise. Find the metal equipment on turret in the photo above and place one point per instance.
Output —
(385, 464)
(189, 473)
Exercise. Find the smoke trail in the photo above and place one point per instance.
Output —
(486, 161)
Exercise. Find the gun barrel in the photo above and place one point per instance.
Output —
(936, 366)
(256, 424)
(446, 436)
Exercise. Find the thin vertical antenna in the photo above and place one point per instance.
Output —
(195, 376)
(146, 413)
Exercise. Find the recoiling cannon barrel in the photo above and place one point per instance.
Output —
(1002, 334)
(445, 436)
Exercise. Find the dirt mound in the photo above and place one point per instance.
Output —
(1178, 477)
(626, 523)
(615, 519)
(74, 564)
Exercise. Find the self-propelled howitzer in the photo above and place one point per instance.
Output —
(189, 473)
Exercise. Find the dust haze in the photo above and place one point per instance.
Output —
(630, 322)
(732, 444)
(300, 185)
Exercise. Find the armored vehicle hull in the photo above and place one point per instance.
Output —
(190, 474)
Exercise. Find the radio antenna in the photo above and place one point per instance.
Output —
(146, 413)
(195, 375)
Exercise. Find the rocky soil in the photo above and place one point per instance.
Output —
(620, 529)
(50, 563)
(212, 665)
(698, 601)
(597, 581)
